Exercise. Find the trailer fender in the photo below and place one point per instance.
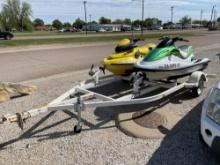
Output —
(197, 76)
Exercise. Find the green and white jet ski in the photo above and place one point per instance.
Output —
(167, 61)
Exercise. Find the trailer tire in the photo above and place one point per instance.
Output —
(77, 129)
(199, 90)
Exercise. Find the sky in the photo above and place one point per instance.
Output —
(69, 10)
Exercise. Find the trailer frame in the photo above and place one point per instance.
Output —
(79, 97)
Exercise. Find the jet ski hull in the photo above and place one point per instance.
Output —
(120, 69)
(160, 74)
(122, 63)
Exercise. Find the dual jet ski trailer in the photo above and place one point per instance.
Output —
(85, 95)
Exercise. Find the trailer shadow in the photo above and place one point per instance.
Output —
(183, 144)
(105, 115)
(112, 112)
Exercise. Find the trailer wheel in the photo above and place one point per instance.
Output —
(199, 90)
(77, 129)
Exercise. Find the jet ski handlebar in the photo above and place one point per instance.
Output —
(173, 39)
(135, 40)
(180, 39)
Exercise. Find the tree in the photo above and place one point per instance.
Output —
(38, 22)
(28, 26)
(57, 24)
(205, 23)
(137, 23)
(168, 25)
(127, 21)
(15, 14)
(148, 22)
(78, 23)
(196, 21)
(104, 20)
(185, 21)
(94, 22)
(117, 21)
(66, 25)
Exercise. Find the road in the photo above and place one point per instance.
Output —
(31, 63)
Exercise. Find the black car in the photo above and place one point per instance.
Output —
(6, 35)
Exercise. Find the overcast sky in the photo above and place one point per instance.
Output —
(69, 10)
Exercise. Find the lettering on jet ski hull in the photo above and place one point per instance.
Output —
(170, 66)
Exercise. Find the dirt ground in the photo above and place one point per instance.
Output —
(49, 138)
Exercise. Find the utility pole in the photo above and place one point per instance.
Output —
(90, 22)
(142, 18)
(201, 14)
(213, 8)
(85, 2)
(171, 8)
(142, 24)
(132, 29)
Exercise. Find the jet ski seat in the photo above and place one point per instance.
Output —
(184, 51)
(125, 48)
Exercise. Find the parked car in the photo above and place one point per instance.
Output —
(6, 35)
(61, 30)
(101, 30)
(66, 30)
(210, 119)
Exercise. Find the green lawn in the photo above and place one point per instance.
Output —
(40, 33)
(54, 33)
(24, 42)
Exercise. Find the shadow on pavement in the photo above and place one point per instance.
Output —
(183, 144)
(176, 142)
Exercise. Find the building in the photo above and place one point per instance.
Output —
(92, 27)
(45, 28)
(112, 27)
(42, 28)
(107, 27)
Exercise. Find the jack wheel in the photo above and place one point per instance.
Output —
(77, 129)
(198, 90)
